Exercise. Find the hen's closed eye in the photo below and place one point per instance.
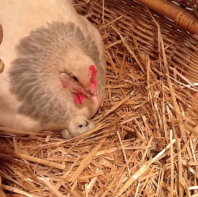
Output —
(75, 78)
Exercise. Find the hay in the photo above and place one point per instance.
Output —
(145, 141)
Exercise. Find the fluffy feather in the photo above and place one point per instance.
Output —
(78, 126)
(54, 65)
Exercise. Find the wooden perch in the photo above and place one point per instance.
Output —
(181, 17)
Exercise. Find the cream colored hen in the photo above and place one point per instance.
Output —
(54, 75)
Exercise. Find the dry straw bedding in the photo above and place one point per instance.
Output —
(145, 143)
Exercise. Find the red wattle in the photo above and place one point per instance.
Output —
(79, 98)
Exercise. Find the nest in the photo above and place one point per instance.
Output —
(146, 136)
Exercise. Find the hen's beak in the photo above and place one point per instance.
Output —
(94, 100)
(92, 96)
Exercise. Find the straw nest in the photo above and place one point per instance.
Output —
(145, 141)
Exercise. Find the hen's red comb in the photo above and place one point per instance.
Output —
(93, 70)
(93, 82)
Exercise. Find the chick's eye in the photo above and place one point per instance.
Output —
(75, 78)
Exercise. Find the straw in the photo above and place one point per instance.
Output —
(150, 100)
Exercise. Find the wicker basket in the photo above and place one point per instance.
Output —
(146, 136)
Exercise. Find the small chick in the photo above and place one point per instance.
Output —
(78, 126)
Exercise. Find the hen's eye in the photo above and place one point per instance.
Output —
(75, 78)
(91, 93)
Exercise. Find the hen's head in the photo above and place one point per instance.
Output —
(79, 76)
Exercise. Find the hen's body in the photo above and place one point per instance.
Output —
(40, 38)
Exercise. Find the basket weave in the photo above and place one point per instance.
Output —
(146, 136)
(181, 45)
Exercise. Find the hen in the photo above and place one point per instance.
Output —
(54, 74)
